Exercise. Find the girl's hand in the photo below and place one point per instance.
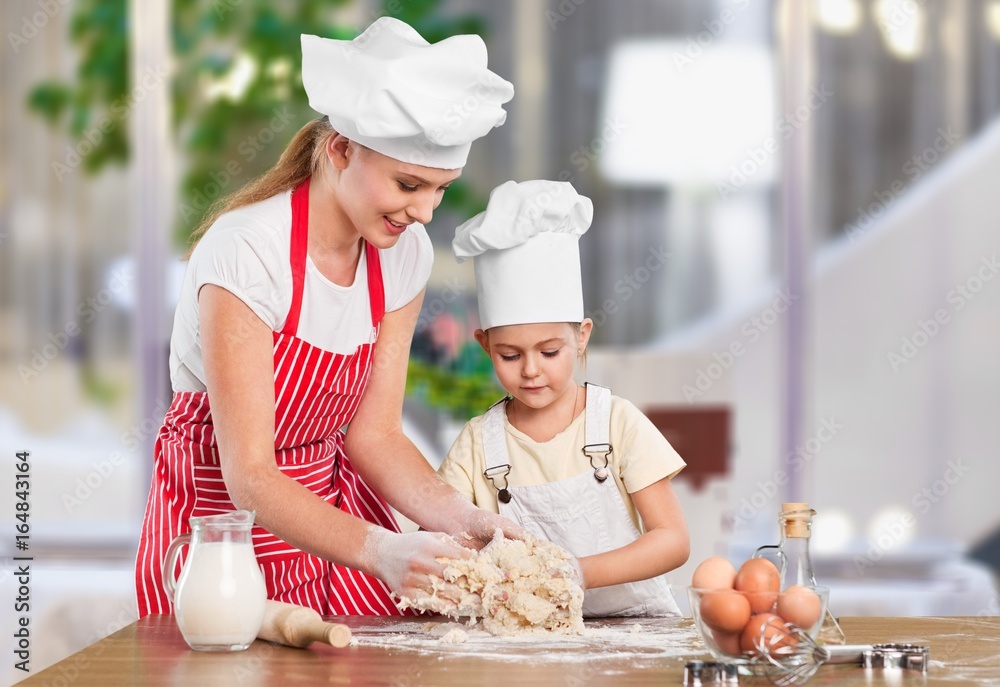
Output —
(572, 570)
(405, 562)
(476, 527)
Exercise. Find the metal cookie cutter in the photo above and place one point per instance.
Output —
(888, 655)
(794, 663)
(698, 673)
(892, 655)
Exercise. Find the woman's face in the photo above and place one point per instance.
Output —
(381, 196)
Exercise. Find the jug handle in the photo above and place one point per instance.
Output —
(772, 553)
(169, 581)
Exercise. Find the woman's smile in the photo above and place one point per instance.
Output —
(393, 227)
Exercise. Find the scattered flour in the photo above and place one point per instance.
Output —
(601, 641)
(455, 636)
(448, 633)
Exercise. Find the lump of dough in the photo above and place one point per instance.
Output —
(455, 635)
(513, 586)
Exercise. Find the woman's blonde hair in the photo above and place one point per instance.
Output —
(300, 160)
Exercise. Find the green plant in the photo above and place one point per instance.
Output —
(98, 95)
(236, 87)
(463, 387)
(220, 131)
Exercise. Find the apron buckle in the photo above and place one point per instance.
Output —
(499, 471)
(601, 472)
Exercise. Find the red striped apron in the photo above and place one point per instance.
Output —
(316, 393)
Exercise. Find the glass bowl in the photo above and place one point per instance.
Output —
(739, 625)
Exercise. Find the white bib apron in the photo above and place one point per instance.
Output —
(583, 514)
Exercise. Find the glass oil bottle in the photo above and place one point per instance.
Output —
(791, 557)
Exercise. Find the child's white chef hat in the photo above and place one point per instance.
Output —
(392, 91)
(526, 246)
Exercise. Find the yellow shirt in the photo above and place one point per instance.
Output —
(641, 457)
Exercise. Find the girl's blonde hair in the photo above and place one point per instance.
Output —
(583, 355)
(300, 160)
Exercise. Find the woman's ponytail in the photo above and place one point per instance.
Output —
(300, 160)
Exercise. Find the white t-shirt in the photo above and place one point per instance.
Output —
(247, 253)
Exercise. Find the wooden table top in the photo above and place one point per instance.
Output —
(402, 653)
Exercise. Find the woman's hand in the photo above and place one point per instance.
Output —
(405, 562)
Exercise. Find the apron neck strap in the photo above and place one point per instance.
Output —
(597, 432)
(376, 288)
(297, 260)
(495, 438)
(495, 449)
(597, 429)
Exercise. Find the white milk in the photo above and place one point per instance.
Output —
(220, 596)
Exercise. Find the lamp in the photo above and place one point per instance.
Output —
(903, 24)
(698, 119)
(992, 15)
(841, 17)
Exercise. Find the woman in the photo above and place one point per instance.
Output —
(295, 319)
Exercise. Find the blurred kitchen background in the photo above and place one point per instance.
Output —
(792, 267)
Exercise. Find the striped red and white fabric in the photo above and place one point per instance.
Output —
(316, 393)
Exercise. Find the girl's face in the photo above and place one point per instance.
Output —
(535, 362)
(380, 195)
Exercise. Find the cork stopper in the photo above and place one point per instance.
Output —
(796, 518)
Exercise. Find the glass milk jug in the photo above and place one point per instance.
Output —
(219, 597)
(792, 559)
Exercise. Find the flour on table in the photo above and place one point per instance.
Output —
(450, 633)
(515, 587)
(455, 636)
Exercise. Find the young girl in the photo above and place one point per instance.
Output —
(571, 464)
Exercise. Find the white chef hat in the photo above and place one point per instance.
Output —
(527, 253)
(392, 91)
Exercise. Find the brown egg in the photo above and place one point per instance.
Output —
(726, 611)
(800, 605)
(727, 642)
(774, 636)
(714, 573)
(759, 577)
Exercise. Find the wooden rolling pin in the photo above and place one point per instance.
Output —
(299, 627)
